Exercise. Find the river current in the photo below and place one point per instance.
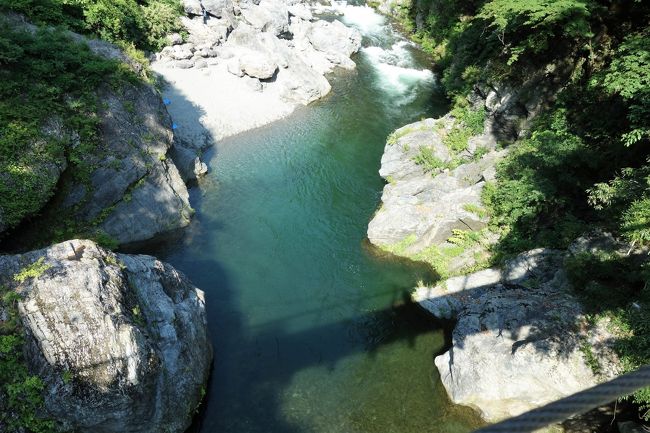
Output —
(311, 328)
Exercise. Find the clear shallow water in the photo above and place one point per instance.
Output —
(310, 327)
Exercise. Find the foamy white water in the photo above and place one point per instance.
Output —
(394, 72)
(390, 53)
(364, 18)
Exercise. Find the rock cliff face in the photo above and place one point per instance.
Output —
(134, 184)
(245, 64)
(517, 340)
(129, 189)
(120, 341)
(425, 202)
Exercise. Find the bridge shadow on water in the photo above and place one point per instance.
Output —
(256, 363)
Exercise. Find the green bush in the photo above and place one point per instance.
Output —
(618, 288)
(428, 161)
(143, 23)
(51, 85)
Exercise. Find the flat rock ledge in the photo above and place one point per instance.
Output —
(517, 340)
(119, 340)
(422, 209)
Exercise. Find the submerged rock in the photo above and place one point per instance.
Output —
(119, 340)
(517, 340)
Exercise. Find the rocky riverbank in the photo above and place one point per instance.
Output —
(432, 201)
(520, 338)
(246, 64)
(520, 335)
(119, 342)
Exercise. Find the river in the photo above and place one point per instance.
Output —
(311, 328)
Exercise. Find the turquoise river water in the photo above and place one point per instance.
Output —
(310, 326)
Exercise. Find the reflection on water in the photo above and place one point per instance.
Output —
(312, 332)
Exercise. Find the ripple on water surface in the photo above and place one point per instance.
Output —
(311, 329)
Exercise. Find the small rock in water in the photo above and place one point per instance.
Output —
(200, 167)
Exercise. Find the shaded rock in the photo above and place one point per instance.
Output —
(156, 205)
(120, 341)
(134, 136)
(631, 427)
(516, 344)
(145, 195)
(511, 110)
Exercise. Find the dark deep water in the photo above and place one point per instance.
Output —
(310, 328)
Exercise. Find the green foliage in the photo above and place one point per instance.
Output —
(527, 27)
(468, 122)
(636, 222)
(143, 23)
(617, 287)
(21, 399)
(457, 139)
(428, 161)
(34, 270)
(439, 257)
(42, 101)
(540, 196)
(628, 76)
(472, 119)
(476, 210)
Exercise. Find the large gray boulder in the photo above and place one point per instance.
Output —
(423, 206)
(517, 339)
(334, 38)
(296, 81)
(120, 341)
(324, 45)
